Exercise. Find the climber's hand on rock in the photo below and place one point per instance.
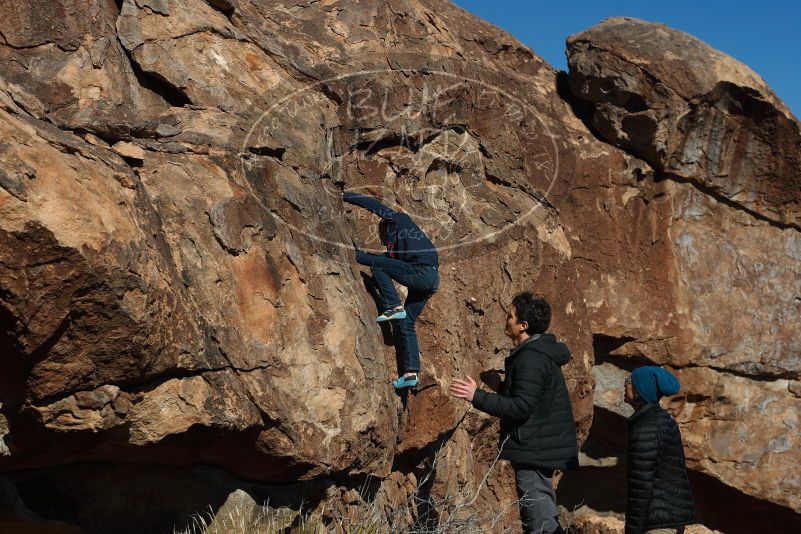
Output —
(492, 379)
(463, 389)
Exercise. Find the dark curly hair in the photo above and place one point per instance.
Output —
(535, 311)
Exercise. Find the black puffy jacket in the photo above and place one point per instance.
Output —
(534, 406)
(659, 494)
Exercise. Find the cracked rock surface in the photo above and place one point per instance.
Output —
(693, 113)
(722, 306)
(177, 281)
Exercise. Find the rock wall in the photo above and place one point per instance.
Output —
(177, 282)
(724, 153)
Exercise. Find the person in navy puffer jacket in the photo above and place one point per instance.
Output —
(660, 500)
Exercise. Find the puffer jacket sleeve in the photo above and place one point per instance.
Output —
(643, 452)
(524, 392)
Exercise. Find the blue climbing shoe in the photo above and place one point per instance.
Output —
(392, 314)
(405, 382)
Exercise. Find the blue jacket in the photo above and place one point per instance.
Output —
(405, 240)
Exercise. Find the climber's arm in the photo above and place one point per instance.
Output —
(369, 203)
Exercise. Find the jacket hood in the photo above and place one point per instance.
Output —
(548, 345)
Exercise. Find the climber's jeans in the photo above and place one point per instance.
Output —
(421, 280)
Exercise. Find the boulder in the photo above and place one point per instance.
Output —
(709, 235)
(692, 112)
(194, 298)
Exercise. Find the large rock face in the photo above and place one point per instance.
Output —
(692, 112)
(726, 154)
(177, 282)
(178, 279)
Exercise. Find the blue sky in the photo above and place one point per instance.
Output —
(765, 35)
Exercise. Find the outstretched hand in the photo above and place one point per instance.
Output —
(463, 389)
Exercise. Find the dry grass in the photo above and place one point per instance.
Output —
(420, 513)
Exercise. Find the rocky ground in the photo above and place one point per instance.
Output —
(181, 315)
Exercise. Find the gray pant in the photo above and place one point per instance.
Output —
(537, 500)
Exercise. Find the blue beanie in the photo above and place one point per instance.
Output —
(652, 383)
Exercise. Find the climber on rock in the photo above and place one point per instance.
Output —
(411, 260)
(538, 434)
